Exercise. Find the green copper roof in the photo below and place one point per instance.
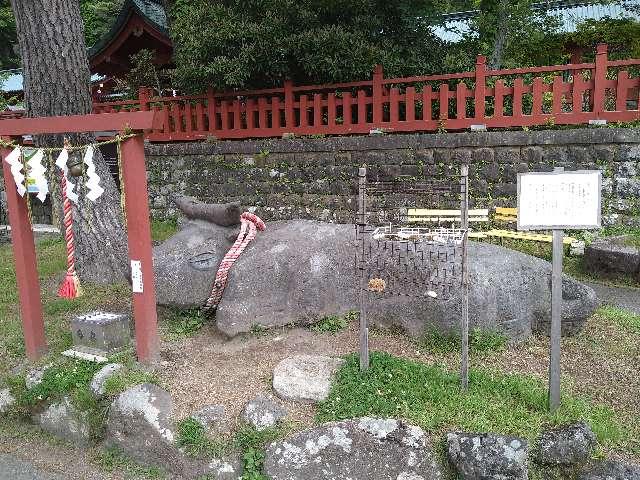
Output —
(152, 12)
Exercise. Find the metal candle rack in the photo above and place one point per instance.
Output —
(398, 253)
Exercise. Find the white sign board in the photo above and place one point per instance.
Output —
(559, 200)
(137, 285)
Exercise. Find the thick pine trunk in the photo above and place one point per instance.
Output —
(500, 39)
(57, 82)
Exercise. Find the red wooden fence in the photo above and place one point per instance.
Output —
(558, 94)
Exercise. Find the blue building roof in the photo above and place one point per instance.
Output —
(13, 82)
(569, 13)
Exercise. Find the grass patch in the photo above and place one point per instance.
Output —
(192, 436)
(252, 443)
(430, 396)
(126, 378)
(163, 229)
(335, 323)
(480, 341)
(178, 324)
(625, 319)
(113, 460)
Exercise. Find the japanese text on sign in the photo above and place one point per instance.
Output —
(559, 200)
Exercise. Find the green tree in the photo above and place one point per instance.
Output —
(8, 57)
(234, 43)
(622, 35)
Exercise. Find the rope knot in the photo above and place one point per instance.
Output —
(253, 218)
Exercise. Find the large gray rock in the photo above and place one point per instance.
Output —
(488, 456)
(139, 424)
(305, 378)
(34, 376)
(612, 255)
(65, 421)
(611, 470)
(360, 449)
(6, 400)
(300, 271)
(263, 412)
(568, 445)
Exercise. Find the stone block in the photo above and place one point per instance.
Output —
(423, 157)
(441, 156)
(483, 155)
(532, 155)
(101, 333)
(461, 156)
(490, 172)
(507, 155)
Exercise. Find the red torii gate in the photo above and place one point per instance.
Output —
(137, 211)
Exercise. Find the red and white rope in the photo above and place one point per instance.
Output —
(70, 287)
(250, 224)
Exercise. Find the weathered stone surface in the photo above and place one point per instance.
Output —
(139, 424)
(305, 378)
(100, 378)
(65, 421)
(230, 468)
(611, 470)
(34, 376)
(488, 456)
(263, 412)
(568, 445)
(360, 449)
(214, 419)
(6, 400)
(611, 255)
(300, 271)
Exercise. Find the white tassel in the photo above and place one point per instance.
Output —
(61, 163)
(13, 159)
(37, 174)
(93, 179)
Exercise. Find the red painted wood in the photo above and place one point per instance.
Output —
(622, 91)
(275, 113)
(80, 123)
(289, 113)
(499, 92)
(362, 107)
(249, 112)
(331, 109)
(427, 108)
(599, 77)
(176, 117)
(304, 111)
(139, 238)
(236, 105)
(444, 101)
(480, 89)
(224, 114)
(394, 105)
(24, 255)
(188, 118)
(558, 91)
(317, 110)
(537, 86)
(377, 95)
(200, 117)
(262, 113)
(347, 101)
(211, 110)
(461, 100)
(410, 104)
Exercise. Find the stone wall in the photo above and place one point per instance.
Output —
(316, 178)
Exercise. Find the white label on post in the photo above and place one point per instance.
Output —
(137, 284)
(559, 200)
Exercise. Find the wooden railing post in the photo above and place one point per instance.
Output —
(289, 113)
(24, 254)
(378, 76)
(143, 98)
(480, 89)
(211, 109)
(599, 80)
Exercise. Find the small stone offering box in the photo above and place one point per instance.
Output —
(100, 333)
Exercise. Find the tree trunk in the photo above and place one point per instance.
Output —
(500, 39)
(57, 82)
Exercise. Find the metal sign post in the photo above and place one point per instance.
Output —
(555, 201)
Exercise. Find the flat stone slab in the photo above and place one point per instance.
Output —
(100, 378)
(611, 470)
(305, 378)
(359, 449)
(65, 421)
(567, 445)
(612, 255)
